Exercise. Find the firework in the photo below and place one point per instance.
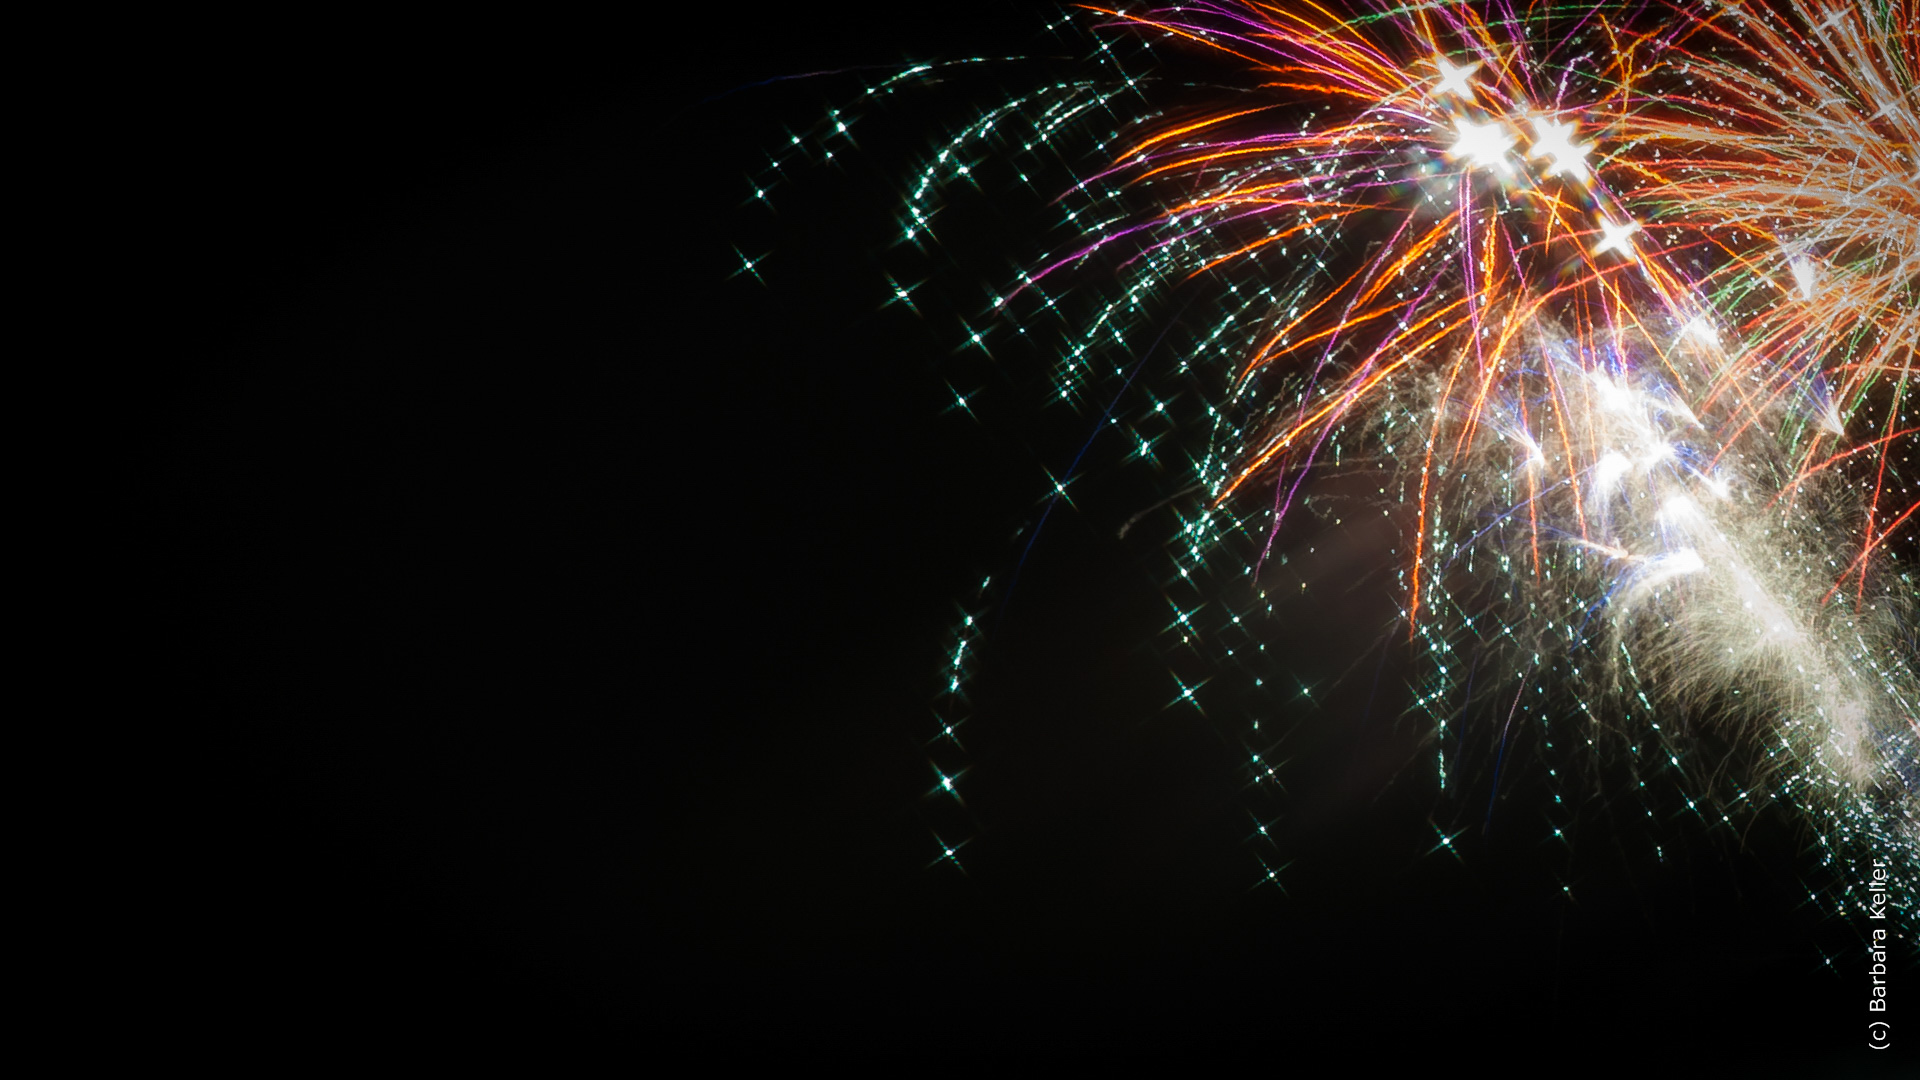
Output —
(1622, 321)
(1785, 154)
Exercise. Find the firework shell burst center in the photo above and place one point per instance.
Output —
(1617, 309)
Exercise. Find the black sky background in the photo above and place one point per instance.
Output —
(557, 619)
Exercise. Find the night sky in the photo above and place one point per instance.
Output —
(559, 618)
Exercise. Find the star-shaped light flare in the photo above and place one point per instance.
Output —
(1554, 140)
(1454, 80)
(1484, 145)
(1615, 238)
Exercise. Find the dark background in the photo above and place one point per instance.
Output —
(555, 620)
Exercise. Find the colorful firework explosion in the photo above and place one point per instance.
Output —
(1615, 308)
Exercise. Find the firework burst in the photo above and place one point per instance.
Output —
(1618, 309)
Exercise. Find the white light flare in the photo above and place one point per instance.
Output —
(1536, 459)
(1454, 80)
(1701, 329)
(1806, 275)
(1616, 399)
(1680, 514)
(1664, 568)
(1612, 467)
(1555, 141)
(1483, 145)
(1614, 238)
